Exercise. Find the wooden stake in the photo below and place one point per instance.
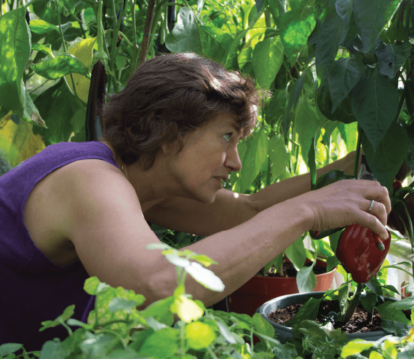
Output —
(147, 32)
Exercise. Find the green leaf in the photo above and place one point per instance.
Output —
(214, 42)
(371, 16)
(331, 34)
(14, 54)
(307, 121)
(306, 279)
(331, 262)
(44, 48)
(395, 328)
(185, 36)
(349, 134)
(161, 246)
(294, 96)
(308, 311)
(42, 27)
(162, 344)
(296, 253)
(57, 105)
(279, 157)
(91, 285)
(276, 107)
(205, 277)
(122, 304)
(390, 312)
(343, 75)
(267, 59)
(392, 57)
(295, 28)
(203, 259)
(368, 301)
(6, 349)
(253, 153)
(67, 313)
(262, 325)
(375, 105)
(60, 66)
(355, 347)
(199, 335)
(186, 309)
(387, 160)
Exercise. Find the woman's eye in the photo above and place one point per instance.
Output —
(227, 136)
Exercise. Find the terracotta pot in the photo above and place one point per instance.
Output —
(259, 290)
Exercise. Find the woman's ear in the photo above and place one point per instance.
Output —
(170, 148)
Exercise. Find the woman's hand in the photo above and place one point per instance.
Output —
(347, 202)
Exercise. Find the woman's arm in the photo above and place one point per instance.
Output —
(231, 209)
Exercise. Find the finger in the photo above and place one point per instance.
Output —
(378, 210)
(374, 190)
(373, 223)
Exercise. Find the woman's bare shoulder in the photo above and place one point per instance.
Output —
(50, 204)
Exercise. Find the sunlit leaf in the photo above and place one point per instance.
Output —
(42, 27)
(199, 335)
(60, 66)
(186, 309)
(205, 277)
(161, 344)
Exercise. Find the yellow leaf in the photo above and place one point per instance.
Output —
(18, 141)
(186, 309)
(199, 335)
(83, 51)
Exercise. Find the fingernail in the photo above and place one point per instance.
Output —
(384, 237)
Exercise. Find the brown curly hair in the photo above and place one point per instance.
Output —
(168, 97)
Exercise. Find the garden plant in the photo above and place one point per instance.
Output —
(336, 76)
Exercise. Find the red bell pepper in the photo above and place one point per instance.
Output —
(359, 251)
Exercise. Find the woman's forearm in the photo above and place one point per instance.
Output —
(297, 185)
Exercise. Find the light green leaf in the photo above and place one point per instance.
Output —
(42, 27)
(262, 325)
(253, 153)
(205, 277)
(6, 349)
(60, 66)
(203, 259)
(306, 279)
(162, 344)
(355, 347)
(47, 49)
(279, 157)
(186, 309)
(67, 313)
(267, 59)
(295, 28)
(185, 35)
(177, 260)
(199, 335)
(375, 105)
(122, 304)
(296, 253)
(214, 42)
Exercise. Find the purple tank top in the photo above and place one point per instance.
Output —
(33, 288)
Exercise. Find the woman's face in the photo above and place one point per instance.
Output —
(209, 155)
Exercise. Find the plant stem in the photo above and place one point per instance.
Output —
(109, 322)
(353, 303)
(147, 32)
(134, 46)
(358, 151)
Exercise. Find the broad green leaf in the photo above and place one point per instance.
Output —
(394, 313)
(371, 16)
(262, 325)
(276, 108)
(30, 112)
(305, 125)
(57, 106)
(52, 349)
(331, 35)
(44, 48)
(205, 277)
(375, 105)
(295, 28)
(83, 51)
(162, 344)
(331, 262)
(355, 347)
(199, 335)
(279, 157)
(306, 279)
(9, 348)
(60, 66)
(214, 42)
(344, 9)
(296, 253)
(390, 154)
(308, 311)
(343, 75)
(67, 313)
(267, 59)
(390, 349)
(253, 153)
(122, 304)
(225, 332)
(392, 57)
(368, 301)
(185, 35)
(349, 133)
(294, 96)
(277, 8)
(14, 54)
(42, 27)
(395, 328)
(154, 324)
(186, 309)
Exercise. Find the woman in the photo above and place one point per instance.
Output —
(170, 138)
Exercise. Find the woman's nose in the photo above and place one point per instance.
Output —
(233, 161)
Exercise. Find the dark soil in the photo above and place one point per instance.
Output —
(360, 322)
(290, 270)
